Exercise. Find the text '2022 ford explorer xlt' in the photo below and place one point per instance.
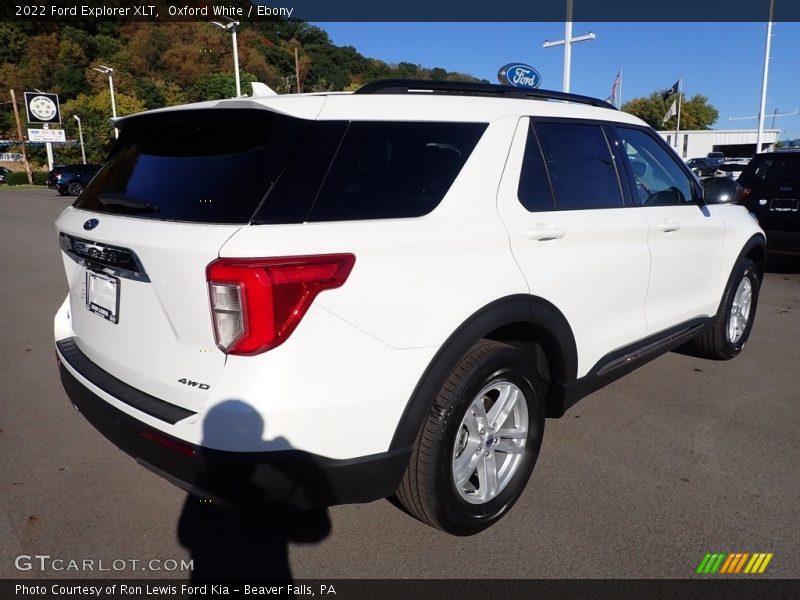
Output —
(385, 292)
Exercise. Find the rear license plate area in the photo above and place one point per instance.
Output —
(102, 295)
(784, 205)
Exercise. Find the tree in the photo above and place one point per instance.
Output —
(696, 112)
(98, 134)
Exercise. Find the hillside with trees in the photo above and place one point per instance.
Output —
(164, 64)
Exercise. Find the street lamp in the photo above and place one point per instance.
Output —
(109, 71)
(80, 135)
(231, 26)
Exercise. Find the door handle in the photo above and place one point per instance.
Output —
(543, 232)
(668, 226)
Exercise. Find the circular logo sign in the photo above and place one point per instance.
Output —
(91, 224)
(519, 75)
(43, 108)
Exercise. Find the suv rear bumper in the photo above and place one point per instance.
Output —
(245, 479)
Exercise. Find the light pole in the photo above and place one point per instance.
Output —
(567, 43)
(109, 71)
(764, 80)
(80, 135)
(231, 26)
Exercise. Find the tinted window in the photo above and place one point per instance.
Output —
(579, 162)
(658, 176)
(534, 190)
(772, 170)
(210, 166)
(391, 170)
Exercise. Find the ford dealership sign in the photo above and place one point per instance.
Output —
(519, 75)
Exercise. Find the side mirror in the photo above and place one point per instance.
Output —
(721, 190)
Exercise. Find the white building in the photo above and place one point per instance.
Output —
(732, 142)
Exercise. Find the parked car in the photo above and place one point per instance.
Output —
(772, 193)
(385, 292)
(732, 168)
(703, 167)
(71, 179)
(720, 156)
(3, 172)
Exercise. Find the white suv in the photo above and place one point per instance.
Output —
(321, 299)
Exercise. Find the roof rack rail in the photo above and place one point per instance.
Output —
(468, 88)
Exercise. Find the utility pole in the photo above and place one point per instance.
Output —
(764, 80)
(567, 43)
(80, 135)
(297, 71)
(21, 139)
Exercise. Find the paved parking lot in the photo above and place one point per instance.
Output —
(641, 479)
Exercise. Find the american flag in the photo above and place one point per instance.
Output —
(614, 97)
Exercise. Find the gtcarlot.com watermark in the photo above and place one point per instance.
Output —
(45, 562)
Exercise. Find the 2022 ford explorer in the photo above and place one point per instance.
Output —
(385, 292)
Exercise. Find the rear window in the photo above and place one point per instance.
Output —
(772, 170)
(209, 166)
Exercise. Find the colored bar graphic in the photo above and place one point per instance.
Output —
(740, 564)
(703, 563)
(734, 563)
(727, 564)
(765, 563)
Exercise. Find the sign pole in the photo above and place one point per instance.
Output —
(49, 147)
(21, 138)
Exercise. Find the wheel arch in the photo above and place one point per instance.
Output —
(530, 323)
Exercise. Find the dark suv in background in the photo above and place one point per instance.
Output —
(771, 192)
(71, 179)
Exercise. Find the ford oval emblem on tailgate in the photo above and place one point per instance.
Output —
(91, 224)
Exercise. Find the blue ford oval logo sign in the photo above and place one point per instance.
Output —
(91, 224)
(520, 75)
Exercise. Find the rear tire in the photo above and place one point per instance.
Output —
(479, 444)
(730, 328)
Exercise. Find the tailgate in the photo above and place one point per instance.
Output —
(139, 302)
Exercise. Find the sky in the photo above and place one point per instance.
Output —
(723, 61)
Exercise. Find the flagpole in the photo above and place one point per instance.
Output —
(619, 99)
(678, 122)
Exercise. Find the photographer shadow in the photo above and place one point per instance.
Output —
(244, 529)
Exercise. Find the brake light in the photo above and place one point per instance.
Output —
(746, 193)
(256, 303)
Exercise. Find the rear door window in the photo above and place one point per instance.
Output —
(389, 170)
(772, 170)
(580, 165)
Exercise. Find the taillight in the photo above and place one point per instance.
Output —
(256, 303)
(746, 193)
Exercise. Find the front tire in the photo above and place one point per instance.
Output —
(75, 189)
(730, 328)
(480, 441)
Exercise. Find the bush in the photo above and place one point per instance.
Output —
(21, 178)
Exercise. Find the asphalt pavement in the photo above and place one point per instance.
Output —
(639, 480)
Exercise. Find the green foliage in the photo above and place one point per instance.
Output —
(696, 112)
(21, 178)
(12, 42)
(218, 86)
(95, 114)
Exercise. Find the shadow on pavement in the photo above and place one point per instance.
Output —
(252, 540)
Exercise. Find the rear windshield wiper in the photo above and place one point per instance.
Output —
(127, 202)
